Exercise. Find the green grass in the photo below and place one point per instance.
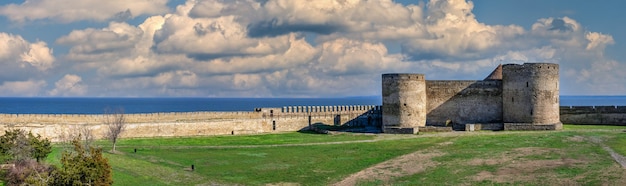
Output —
(251, 160)
(317, 165)
(618, 143)
(593, 127)
(454, 168)
(266, 139)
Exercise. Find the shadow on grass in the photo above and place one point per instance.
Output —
(321, 128)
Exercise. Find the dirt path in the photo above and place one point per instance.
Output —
(404, 165)
(617, 157)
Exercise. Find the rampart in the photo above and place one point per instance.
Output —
(598, 115)
(263, 120)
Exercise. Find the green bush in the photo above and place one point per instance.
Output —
(18, 145)
(83, 167)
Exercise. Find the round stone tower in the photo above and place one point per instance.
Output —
(530, 94)
(404, 102)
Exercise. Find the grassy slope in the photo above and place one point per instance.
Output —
(156, 163)
(454, 169)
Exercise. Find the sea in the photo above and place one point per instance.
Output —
(10, 105)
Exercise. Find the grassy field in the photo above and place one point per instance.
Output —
(571, 156)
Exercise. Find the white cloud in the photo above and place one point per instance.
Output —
(69, 85)
(598, 41)
(258, 48)
(14, 49)
(39, 56)
(23, 61)
(72, 10)
(22, 88)
(113, 41)
(206, 38)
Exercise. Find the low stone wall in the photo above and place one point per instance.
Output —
(530, 126)
(265, 120)
(435, 129)
(482, 126)
(598, 115)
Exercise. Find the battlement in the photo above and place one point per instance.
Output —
(465, 83)
(592, 109)
(331, 109)
(527, 66)
(403, 76)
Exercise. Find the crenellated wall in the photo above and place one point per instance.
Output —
(600, 115)
(263, 120)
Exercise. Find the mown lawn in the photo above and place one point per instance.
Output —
(482, 158)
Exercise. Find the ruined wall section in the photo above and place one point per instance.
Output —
(404, 101)
(57, 126)
(462, 102)
(531, 93)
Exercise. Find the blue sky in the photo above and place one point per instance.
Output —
(297, 48)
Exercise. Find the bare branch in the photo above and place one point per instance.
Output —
(116, 122)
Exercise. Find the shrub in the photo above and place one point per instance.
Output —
(17, 145)
(29, 172)
(83, 167)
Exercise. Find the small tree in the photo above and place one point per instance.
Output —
(40, 147)
(83, 167)
(18, 145)
(115, 122)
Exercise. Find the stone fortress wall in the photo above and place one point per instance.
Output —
(451, 102)
(512, 97)
(594, 115)
(264, 120)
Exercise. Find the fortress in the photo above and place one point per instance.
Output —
(512, 97)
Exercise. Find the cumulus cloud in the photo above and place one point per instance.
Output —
(22, 60)
(107, 42)
(22, 88)
(69, 85)
(252, 48)
(71, 10)
(205, 38)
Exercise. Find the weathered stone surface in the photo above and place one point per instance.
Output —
(600, 115)
(460, 102)
(264, 120)
(532, 126)
(530, 93)
(527, 93)
(401, 130)
(404, 100)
